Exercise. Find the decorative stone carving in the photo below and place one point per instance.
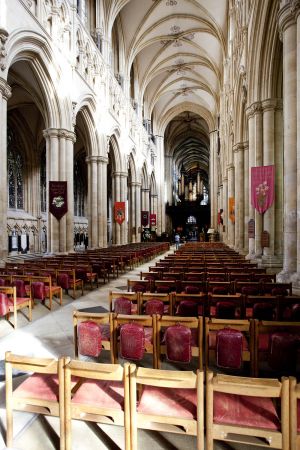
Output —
(3, 39)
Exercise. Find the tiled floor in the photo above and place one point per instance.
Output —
(51, 333)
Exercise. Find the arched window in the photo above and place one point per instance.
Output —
(15, 168)
(79, 186)
(43, 181)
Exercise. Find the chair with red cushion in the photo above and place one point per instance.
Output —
(294, 414)
(4, 305)
(51, 291)
(179, 339)
(247, 410)
(219, 287)
(72, 282)
(149, 301)
(230, 306)
(276, 347)
(166, 400)
(98, 393)
(93, 332)
(229, 344)
(124, 302)
(165, 286)
(42, 392)
(139, 285)
(189, 305)
(14, 303)
(134, 336)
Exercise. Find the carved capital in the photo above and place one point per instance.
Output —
(287, 15)
(69, 135)
(255, 108)
(3, 39)
(5, 89)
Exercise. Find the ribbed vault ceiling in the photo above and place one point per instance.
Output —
(177, 48)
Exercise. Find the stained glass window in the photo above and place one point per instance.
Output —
(15, 169)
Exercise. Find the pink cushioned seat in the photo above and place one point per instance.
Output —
(106, 394)
(191, 289)
(245, 411)
(283, 351)
(213, 338)
(39, 386)
(168, 402)
(4, 304)
(225, 310)
(20, 288)
(188, 308)
(263, 311)
(38, 290)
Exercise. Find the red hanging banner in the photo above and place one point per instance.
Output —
(262, 187)
(119, 212)
(145, 218)
(58, 198)
(152, 220)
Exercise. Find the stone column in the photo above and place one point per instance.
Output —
(269, 106)
(132, 212)
(68, 137)
(123, 197)
(93, 201)
(168, 177)
(116, 238)
(231, 193)
(255, 159)
(239, 196)
(246, 198)
(288, 28)
(102, 201)
(225, 209)
(138, 187)
(5, 94)
(213, 179)
(278, 245)
(220, 206)
(160, 180)
(52, 171)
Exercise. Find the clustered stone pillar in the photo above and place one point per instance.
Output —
(246, 198)
(102, 201)
(288, 28)
(225, 210)
(238, 150)
(213, 179)
(59, 157)
(230, 175)
(5, 93)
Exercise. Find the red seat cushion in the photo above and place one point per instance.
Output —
(191, 289)
(218, 290)
(154, 306)
(122, 305)
(38, 290)
(225, 310)
(187, 308)
(89, 338)
(105, 331)
(132, 341)
(104, 394)
(245, 411)
(213, 338)
(229, 348)
(20, 288)
(39, 386)
(263, 311)
(168, 402)
(178, 340)
(63, 280)
(148, 335)
(4, 305)
(283, 351)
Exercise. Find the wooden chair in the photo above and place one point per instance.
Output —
(294, 414)
(165, 286)
(145, 304)
(261, 307)
(183, 341)
(119, 305)
(66, 279)
(269, 287)
(14, 303)
(93, 332)
(6, 279)
(42, 392)
(166, 400)
(134, 336)
(228, 306)
(232, 351)
(139, 285)
(100, 394)
(225, 287)
(276, 347)
(51, 290)
(189, 305)
(245, 410)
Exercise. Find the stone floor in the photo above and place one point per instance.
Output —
(51, 334)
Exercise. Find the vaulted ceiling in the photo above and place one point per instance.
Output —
(177, 48)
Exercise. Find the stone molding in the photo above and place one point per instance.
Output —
(5, 89)
(255, 108)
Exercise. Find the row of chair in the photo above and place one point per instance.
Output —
(237, 409)
(220, 305)
(226, 344)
